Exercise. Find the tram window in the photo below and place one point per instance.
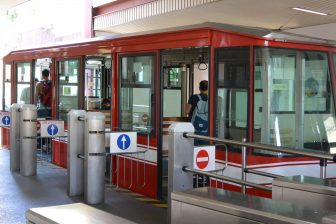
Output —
(172, 91)
(97, 81)
(67, 87)
(136, 95)
(7, 87)
(232, 97)
(23, 74)
(292, 99)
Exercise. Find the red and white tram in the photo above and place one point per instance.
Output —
(278, 92)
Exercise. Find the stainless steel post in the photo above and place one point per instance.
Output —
(28, 141)
(243, 166)
(14, 137)
(75, 146)
(180, 154)
(323, 168)
(94, 163)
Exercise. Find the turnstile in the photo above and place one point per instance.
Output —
(72, 213)
(211, 205)
(308, 191)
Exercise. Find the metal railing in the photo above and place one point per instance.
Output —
(322, 156)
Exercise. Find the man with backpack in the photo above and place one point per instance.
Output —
(42, 96)
(197, 111)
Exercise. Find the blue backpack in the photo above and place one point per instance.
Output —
(200, 116)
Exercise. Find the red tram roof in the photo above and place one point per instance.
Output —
(210, 34)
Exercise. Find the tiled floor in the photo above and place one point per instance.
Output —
(48, 187)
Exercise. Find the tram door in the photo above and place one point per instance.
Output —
(181, 72)
(98, 83)
(23, 71)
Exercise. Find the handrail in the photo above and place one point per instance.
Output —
(257, 172)
(264, 147)
(225, 178)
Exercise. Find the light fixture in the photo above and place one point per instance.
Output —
(310, 11)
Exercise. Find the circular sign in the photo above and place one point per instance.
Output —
(6, 120)
(52, 130)
(123, 142)
(202, 159)
(145, 118)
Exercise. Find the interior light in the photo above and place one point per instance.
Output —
(310, 11)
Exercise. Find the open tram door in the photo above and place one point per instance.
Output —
(181, 72)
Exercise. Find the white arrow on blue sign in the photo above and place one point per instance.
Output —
(4, 119)
(123, 142)
(52, 130)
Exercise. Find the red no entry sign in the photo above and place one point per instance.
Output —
(202, 159)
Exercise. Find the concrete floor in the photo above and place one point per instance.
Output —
(48, 188)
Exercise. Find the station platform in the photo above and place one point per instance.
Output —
(48, 188)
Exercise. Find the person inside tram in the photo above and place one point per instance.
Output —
(197, 111)
(42, 96)
(106, 104)
(25, 94)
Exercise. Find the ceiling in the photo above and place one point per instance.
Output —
(276, 15)
(7, 4)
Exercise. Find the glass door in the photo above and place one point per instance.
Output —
(68, 87)
(7, 91)
(23, 85)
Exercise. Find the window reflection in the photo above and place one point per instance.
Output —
(23, 88)
(292, 99)
(67, 87)
(7, 88)
(137, 98)
(232, 103)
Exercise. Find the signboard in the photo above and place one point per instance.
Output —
(123, 142)
(204, 158)
(4, 119)
(51, 128)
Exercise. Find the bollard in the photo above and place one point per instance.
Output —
(180, 154)
(28, 142)
(14, 137)
(75, 146)
(95, 158)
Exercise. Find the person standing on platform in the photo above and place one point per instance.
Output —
(42, 96)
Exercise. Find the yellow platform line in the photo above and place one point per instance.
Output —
(160, 205)
(132, 194)
(147, 200)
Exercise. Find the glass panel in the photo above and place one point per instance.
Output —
(8, 71)
(293, 103)
(232, 97)
(137, 95)
(172, 91)
(319, 111)
(7, 96)
(23, 82)
(274, 99)
(7, 87)
(98, 82)
(67, 87)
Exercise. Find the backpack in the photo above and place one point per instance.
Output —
(45, 93)
(200, 116)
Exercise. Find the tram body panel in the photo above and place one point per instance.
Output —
(143, 174)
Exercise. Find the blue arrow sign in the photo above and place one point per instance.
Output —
(123, 142)
(6, 120)
(52, 129)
